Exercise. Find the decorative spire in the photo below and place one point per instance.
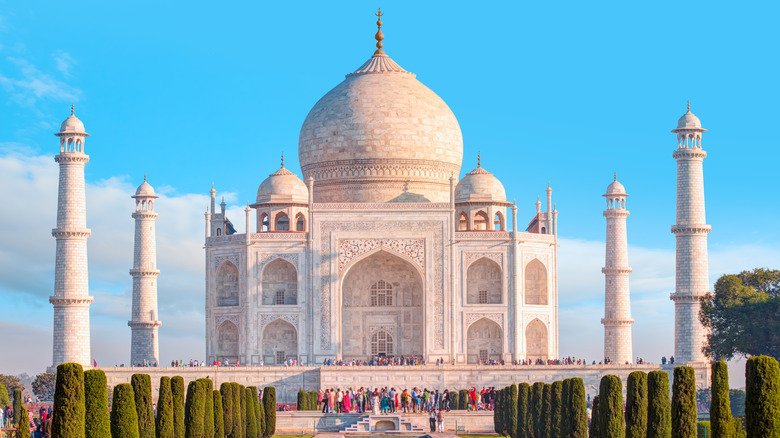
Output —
(689, 106)
(72, 108)
(282, 159)
(144, 177)
(479, 159)
(615, 176)
(379, 35)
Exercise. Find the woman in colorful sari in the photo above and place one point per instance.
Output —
(347, 402)
(331, 400)
(385, 405)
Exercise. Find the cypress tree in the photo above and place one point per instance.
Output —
(208, 408)
(238, 415)
(523, 397)
(142, 390)
(636, 405)
(611, 420)
(260, 415)
(242, 403)
(96, 421)
(537, 409)
(251, 421)
(194, 410)
(546, 411)
(164, 422)
(23, 429)
(659, 414)
(684, 403)
(453, 400)
(69, 410)
(565, 425)
(463, 399)
(556, 396)
(302, 404)
(269, 404)
(226, 389)
(18, 404)
(595, 418)
(124, 417)
(720, 407)
(177, 395)
(578, 414)
(703, 429)
(219, 418)
(498, 413)
(762, 397)
(313, 400)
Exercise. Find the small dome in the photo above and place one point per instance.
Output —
(72, 124)
(282, 187)
(615, 188)
(479, 185)
(145, 190)
(689, 121)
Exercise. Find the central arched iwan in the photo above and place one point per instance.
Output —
(279, 342)
(485, 341)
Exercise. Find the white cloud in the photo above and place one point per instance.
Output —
(26, 84)
(64, 62)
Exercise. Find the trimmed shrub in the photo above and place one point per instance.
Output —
(565, 424)
(611, 420)
(659, 413)
(238, 413)
(164, 420)
(302, 404)
(762, 398)
(97, 424)
(636, 405)
(226, 389)
(463, 399)
(251, 421)
(194, 410)
(69, 412)
(720, 408)
(684, 403)
(546, 411)
(453, 399)
(177, 394)
(703, 429)
(23, 429)
(498, 413)
(269, 404)
(219, 419)
(595, 418)
(208, 408)
(578, 414)
(557, 410)
(142, 389)
(18, 404)
(242, 402)
(124, 417)
(536, 409)
(313, 400)
(260, 415)
(523, 399)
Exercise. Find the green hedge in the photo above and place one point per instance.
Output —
(523, 400)
(636, 405)
(313, 400)
(177, 393)
(194, 410)
(251, 420)
(302, 403)
(164, 422)
(238, 412)
(557, 409)
(208, 408)
(611, 419)
(260, 415)
(69, 412)
(684, 403)
(537, 407)
(226, 389)
(219, 419)
(703, 429)
(546, 410)
(269, 404)
(242, 401)
(463, 399)
(498, 413)
(762, 398)
(595, 419)
(142, 389)
(18, 404)
(124, 418)
(720, 407)
(97, 423)
(23, 430)
(659, 414)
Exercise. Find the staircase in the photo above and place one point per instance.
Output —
(384, 424)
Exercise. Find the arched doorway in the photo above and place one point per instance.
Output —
(280, 283)
(484, 341)
(382, 293)
(227, 285)
(536, 283)
(227, 342)
(279, 342)
(483, 284)
(536, 340)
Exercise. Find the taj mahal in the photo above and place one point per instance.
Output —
(386, 245)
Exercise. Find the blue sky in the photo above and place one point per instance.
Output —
(565, 92)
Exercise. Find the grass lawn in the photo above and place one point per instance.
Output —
(293, 436)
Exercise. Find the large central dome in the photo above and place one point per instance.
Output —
(380, 136)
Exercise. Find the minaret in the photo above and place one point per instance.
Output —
(144, 323)
(618, 346)
(71, 298)
(692, 280)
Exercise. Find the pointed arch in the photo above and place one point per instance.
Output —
(485, 341)
(279, 342)
(463, 221)
(536, 339)
(300, 222)
(263, 223)
(280, 283)
(536, 283)
(480, 221)
(498, 222)
(484, 282)
(227, 341)
(227, 284)
(281, 222)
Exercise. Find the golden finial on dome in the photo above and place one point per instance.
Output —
(72, 108)
(379, 35)
(282, 159)
(144, 177)
(479, 159)
(689, 106)
(615, 176)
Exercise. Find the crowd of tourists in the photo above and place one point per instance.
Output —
(40, 426)
(388, 400)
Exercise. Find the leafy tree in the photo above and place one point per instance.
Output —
(636, 405)
(219, 418)
(523, 398)
(5, 399)
(578, 416)
(720, 407)
(208, 408)
(194, 409)
(762, 402)
(738, 314)
(537, 409)
(684, 403)
(43, 386)
(68, 414)
(97, 423)
(23, 430)
(124, 417)
(595, 419)
(177, 394)
(557, 410)
(9, 383)
(269, 404)
(251, 420)
(611, 420)
(546, 426)
(164, 424)
(659, 413)
(226, 389)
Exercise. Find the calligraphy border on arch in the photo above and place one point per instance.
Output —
(472, 256)
(543, 257)
(232, 258)
(234, 318)
(411, 248)
(326, 250)
(471, 318)
(266, 319)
